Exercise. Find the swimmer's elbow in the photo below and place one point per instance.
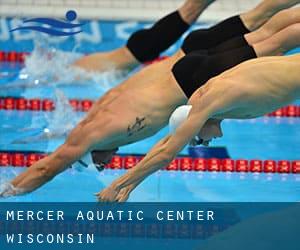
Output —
(45, 173)
(61, 159)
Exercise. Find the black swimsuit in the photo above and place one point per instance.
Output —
(195, 69)
(210, 52)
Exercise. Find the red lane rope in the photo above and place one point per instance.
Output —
(85, 105)
(12, 103)
(13, 56)
(21, 159)
(19, 57)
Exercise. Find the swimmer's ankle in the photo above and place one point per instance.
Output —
(191, 9)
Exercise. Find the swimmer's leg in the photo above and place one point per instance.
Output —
(151, 41)
(229, 34)
(279, 43)
(276, 23)
(256, 17)
(280, 21)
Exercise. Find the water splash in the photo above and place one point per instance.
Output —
(48, 66)
(59, 122)
(63, 119)
(8, 190)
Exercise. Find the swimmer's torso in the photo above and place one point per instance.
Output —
(143, 103)
(260, 86)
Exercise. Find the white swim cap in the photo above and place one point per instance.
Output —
(178, 117)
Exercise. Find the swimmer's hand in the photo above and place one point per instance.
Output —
(124, 194)
(8, 190)
(109, 194)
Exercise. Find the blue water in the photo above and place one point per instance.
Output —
(263, 138)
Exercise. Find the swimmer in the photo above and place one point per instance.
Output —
(147, 44)
(235, 94)
(138, 108)
(278, 22)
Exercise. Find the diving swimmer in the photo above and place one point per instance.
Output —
(136, 109)
(276, 83)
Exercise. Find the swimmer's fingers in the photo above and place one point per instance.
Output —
(123, 195)
(8, 190)
(109, 194)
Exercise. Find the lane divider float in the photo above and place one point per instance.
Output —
(26, 159)
(84, 105)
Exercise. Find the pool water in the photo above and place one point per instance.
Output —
(263, 138)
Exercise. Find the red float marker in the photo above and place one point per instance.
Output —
(256, 166)
(270, 166)
(5, 159)
(116, 163)
(86, 105)
(292, 111)
(75, 104)
(228, 165)
(130, 162)
(48, 105)
(214, 165)
(2, 56)
(31, 159)
(174, 166)
(18, 160)
(186, 164)
(200, 164)
(296, 167)
(9, 103)
(241, 166)
(21, 104)
(12, 56)
(35, 104)
(284, 167)
(279, 113)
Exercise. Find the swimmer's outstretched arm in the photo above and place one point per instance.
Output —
(164, 152)
(81, 139)
(43, 171)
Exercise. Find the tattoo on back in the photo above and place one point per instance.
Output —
(137, 126)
